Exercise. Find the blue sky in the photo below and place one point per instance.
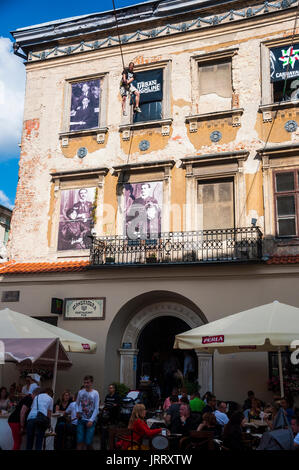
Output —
(17, 14)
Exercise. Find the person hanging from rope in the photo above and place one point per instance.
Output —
(126, 87)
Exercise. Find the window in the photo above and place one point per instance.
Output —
(10, 296)
(76, 218)
(216, 204)
(284, 64)
(215, 86)
(78, 209)
(85, 104)
(150, 85)
(286, 203)
(143, 209)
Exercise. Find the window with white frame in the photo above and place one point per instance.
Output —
(85, 104)
(215, 86)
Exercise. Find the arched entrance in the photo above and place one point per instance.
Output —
(156, 354)
(133, 331)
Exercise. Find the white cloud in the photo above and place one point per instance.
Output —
(12, 90)
(4, 200)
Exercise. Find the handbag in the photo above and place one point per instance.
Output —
(41, 420)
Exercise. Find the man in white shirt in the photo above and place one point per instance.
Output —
(42, 403)
(88, 402)
(30, 385)
(220, 414)
(65, 428)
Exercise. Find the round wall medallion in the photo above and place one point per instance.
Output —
(291, 126)
(144, 145)
(216, 136)
(82, 152)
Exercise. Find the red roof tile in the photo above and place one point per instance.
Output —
(13, 267)
(291, 259)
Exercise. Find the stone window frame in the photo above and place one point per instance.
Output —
(65, 126)
(210, 58)
(215, 167)
(127, 121)
(89, 178)
(276, 159)
(139, 173)
(267, 105)
(294, 193)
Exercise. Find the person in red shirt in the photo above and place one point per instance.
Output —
(139, 428)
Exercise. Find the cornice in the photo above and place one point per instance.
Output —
(52, 34)
(143, 165)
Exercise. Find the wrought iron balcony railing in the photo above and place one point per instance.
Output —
(205, 246)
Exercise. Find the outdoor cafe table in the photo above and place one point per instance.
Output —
(6, 440)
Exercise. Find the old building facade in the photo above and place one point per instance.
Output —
(168, 218)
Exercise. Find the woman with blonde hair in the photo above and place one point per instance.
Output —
(139, 429)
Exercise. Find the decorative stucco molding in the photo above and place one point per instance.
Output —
(78, 27)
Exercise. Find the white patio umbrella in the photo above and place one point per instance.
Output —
(26, 339)
(269, 327)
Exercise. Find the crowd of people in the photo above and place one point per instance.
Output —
(31, 415)
(183, 414)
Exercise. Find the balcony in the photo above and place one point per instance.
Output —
(233, 245)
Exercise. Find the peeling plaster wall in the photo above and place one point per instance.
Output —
(42, 152)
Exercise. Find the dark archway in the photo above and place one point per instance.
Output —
(155, 346)
(125, 316)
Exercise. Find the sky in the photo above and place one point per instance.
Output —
(17, 14)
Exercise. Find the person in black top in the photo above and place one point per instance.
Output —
(18, 418)
(112, 403)
(211, 404)
(126, 86)
(232, 436)
(209, 423)
(184, 423)
(173, 412)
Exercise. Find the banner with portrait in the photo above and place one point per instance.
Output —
(85, 105)
(75, 219)
(143, 209)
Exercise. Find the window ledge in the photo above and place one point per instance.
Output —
(267, 109)
(97, 130)
(294, 241)
(235, 114)
(145, 124)
(100, 133)
(216, 114)
(281, 105)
